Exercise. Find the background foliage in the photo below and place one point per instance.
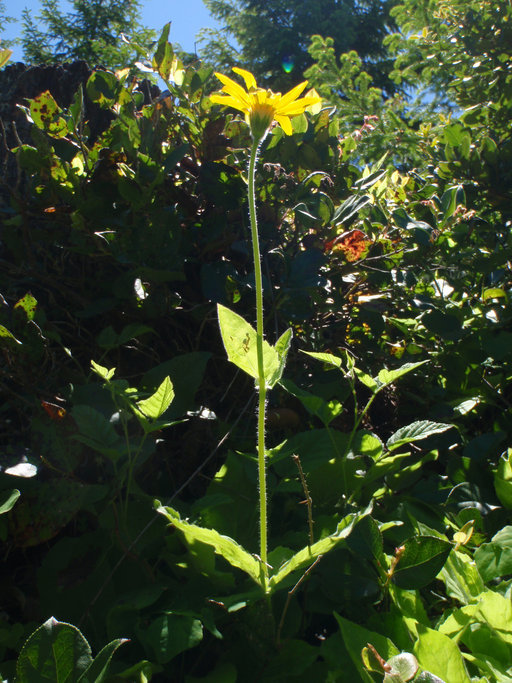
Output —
(385, 230)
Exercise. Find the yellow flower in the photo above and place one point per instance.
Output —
(261, 107)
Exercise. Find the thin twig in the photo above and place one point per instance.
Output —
(309, 501)
(289, 597)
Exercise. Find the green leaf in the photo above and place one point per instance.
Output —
(493, 293)
(503, 480)
(239, 340)
(461, 578)
(9, 500)
(7, 337)
(223, 545)
(326, 411)
(46, 114)
(163, 58)
(169, 634)
(304, 558)
(325, 358)
(102, 372)
(387, 377)
(103, 88)
(98, 670)
(415, 432)
(156, 405)
(421, 561)
(95, 429)
(282, 347)
(494, 559)
(186, 373)
(27, 304)
(5, 56)
(366, 541)
(439, 655)
(56, 652)
(356, 638)
(367, 380)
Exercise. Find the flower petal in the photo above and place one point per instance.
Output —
(229, 101)
(250, 81)
(285, 124)
(292, 94)
(298, 106)
(234, 89)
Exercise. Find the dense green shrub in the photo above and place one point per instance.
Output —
(394, 429)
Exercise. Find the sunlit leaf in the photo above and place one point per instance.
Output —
(156, 405)
(415, 432)
(223, 545)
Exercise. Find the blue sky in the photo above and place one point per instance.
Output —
(187, 16)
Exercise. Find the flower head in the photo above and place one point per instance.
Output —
(261, 107)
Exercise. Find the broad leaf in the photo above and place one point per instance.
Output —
(440, 656)
(422, 559)
(223, 545)
(95, 427)
(27, 304)
(282, 347)
(503, 480)
(494, 559)
(239, 340)
(8, 500)
(387, 377)
(169, 634)
(357, 638)
(325, 358)
(46, 114)
(415, 432)
(367, 380)
(98, 670)
(326, 411)
(6, 336)
(156, 405)
(304, 558)
(56, 652)
(102, 372)
(163, 57)
(461, 578)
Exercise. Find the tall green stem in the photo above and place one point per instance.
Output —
(262, 389)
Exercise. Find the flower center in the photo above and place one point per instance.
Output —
(261, 117)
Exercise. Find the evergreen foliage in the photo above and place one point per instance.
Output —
(93, 32)
(273, 35)
(4, 20)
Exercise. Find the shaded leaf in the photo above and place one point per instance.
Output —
(56, 652)
(420, 562)
(9, 499)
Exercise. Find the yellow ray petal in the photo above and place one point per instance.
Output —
(295, 108)
(293, 94)
(234, 89)
(250, 81)
(228, 101)
(285, 124)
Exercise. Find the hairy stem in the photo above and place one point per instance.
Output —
(261, 386)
